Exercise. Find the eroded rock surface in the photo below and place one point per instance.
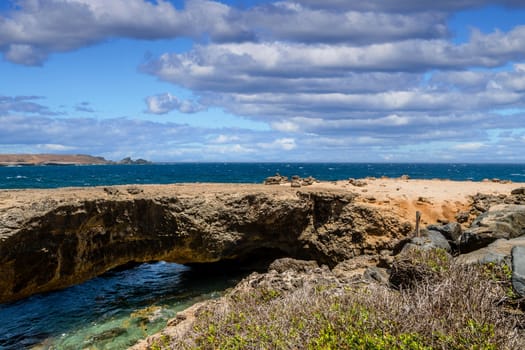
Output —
(49, 243)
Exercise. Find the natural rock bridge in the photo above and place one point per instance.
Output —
(50, 239)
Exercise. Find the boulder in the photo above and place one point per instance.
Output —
(296, 183)
(496, 252)
(518, 191)
(518, 270)
(277, 179)
(452, 231)
(429, 240)
(357, 183)
(500, 221)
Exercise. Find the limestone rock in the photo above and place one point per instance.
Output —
(500, 221)
(47, 244)
(284, 264)
(518, 269)
(277, 179)
(357, 183)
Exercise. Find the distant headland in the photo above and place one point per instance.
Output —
(61, 159)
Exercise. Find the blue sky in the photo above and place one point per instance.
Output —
(293, 80)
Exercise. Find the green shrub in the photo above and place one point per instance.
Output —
(450, 307)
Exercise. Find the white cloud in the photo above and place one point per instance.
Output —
(286, 144)
(469, 146)
(40, 27)
(165, 103)
(55, 148)
(226, 139)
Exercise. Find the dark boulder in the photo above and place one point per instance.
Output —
(518, 191)
(500, 221)
(452, 231)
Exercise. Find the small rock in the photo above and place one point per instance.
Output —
(111, 191)
(308, 181)
(518, 191)
(296, 183)
(405, 177)
(134, 190)
(376, 274)
(462, 216)
(357, 183)
(277, 179)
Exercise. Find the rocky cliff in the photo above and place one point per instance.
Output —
(68, 236)
(51, 239)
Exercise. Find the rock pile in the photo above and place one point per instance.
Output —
(277, 179)
(296, 180)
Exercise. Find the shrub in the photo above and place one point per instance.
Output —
(449, 307)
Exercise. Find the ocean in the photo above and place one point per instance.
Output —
(98, 175)
(116, 309)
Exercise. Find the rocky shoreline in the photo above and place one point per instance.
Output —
(496, 239)
(50, 239)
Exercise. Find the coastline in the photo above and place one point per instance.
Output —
(12, 160)
(436, 199)
(214, 221)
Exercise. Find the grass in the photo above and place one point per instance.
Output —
(439, 305)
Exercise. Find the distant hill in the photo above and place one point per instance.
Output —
(61, 159)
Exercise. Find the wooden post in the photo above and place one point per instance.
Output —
(418, 218)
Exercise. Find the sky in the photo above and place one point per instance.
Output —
(260, 80)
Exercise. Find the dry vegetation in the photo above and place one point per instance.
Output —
(438, 305)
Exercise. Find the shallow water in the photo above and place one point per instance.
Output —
(111, 311)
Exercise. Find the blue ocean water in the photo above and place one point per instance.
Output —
(97, 175)
(114, 310)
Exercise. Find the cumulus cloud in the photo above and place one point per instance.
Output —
(40, 27)
(165, 103)
(324, 74)
(291, 21)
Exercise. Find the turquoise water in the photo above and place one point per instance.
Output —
(111, 311)
(114, 310)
